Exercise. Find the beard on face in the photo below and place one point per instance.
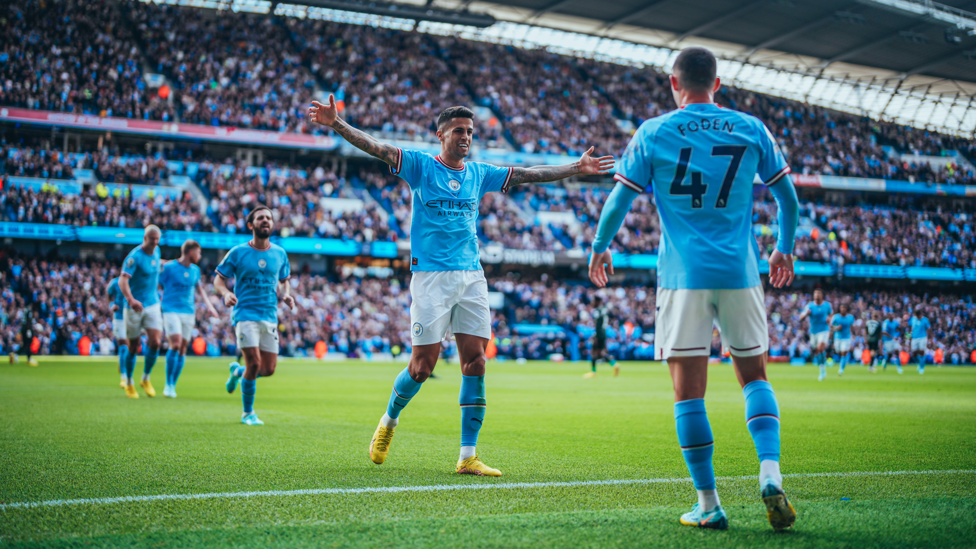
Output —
(262, 232)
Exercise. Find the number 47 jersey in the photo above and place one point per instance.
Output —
(700, 162)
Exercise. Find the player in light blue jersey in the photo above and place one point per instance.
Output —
(260, 270)
(139, 284)
(699, 162)
(819, 312)
(841, 325)
(448, 286)
(179, 280)
(920, 337)
(891, 341)
(118, 327)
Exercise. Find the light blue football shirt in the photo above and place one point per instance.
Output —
(257, 273)
(845, 322)
(179, 283)
(443, 233)
(889, 327)
(819, 316)
(920, 327)
(700, 162)
(117, 298)
(143, 271)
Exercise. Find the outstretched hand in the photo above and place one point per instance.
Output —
(324, 114)
(595, 165)
(780, 269)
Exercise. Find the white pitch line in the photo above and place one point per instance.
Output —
(439, 488)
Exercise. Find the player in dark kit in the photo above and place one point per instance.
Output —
(872, 329)
(599, 353)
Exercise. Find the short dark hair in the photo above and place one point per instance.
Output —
(189, 245)
(254, 212)
(696, 69)
(451, 113)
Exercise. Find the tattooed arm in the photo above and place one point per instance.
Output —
(328, 115)
(542, 174)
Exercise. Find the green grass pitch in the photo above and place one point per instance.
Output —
(68, 432)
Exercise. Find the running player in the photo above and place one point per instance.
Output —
(179, 279)
(819, 312)
(448, 286)
(261, 269)
(118, 327)
(920, 337)
(840, 325)
(890, 341)
(139, 283)
(700, 161)
(599, 352)
(872, 329)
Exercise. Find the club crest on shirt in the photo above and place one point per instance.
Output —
(262, 263)
(153, 263)
(418, 330)
(186, 275)
(132, 261)
(454, 184)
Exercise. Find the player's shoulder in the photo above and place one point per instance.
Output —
(278, 249)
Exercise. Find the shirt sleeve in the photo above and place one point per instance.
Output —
(495, 179)
(228, 265)
(772, 164)
(410, 166)
(634, 169)
(130, 267)
(285, 272)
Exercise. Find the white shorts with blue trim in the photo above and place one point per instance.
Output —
(151, 318)
(685, 318)
(819, 337)
(920, 344)
(446, 303)
(118, 328)
(257, 333)
(842, 345)
(179, 324)
(892, 346)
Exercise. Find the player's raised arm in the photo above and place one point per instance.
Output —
(328, 115)
(586, 165)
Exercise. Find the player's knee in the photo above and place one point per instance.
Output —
(474, 366)
(421, 368)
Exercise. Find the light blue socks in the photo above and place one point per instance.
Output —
(123, 358)
(473, 403)
(762, 420)
(171, 357)
(151, 356)
(404, 388)
(180, 359)
(248, 388)
(695, 438)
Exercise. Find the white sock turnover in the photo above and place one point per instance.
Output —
(769, 473)
(389, 422)
(708, 500)
(467, 452)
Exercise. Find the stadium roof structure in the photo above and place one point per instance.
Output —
(910, 61)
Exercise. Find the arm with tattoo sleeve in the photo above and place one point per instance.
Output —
(365, 142)
(587, 165)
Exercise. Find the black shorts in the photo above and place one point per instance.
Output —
(600, 344)
(874, 345)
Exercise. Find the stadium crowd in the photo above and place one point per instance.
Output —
(359, 315)
(257, 71)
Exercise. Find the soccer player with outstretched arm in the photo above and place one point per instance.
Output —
(448, 286)
(139, 284)
(180, 280)
(260, 270)
(699, 162)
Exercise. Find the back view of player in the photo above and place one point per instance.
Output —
(601, 315)
(872, 331)
(700, 161)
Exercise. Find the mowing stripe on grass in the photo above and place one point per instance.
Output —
(440, 488)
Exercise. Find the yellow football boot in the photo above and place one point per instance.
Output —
(779, 510)
(380, 445)
(474, 466)
(122, 383)
(616, 371)
(589, 375)
(33, 362)
(147, 386)
(130, 391)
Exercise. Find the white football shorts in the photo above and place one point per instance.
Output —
(842, 345)
(920, 344)
(892, 346)
(685, 317)
(118, 328)
(446, 303)
(820, 337)
(257, 333)
(151, 318)
(179, 323)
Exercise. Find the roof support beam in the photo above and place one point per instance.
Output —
(548, 8)
(867, 46)
(716, 22)
(791, 34)
(632, 15)
(931, 64)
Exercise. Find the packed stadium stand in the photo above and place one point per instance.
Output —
(899, 198)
